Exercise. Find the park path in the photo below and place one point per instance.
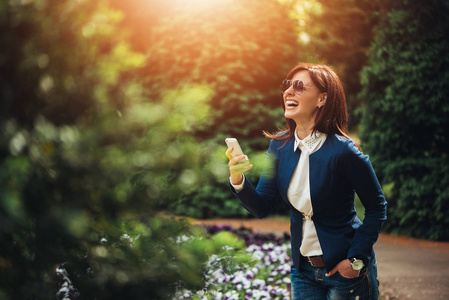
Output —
(409, 269)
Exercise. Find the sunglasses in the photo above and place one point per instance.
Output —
(298, 86)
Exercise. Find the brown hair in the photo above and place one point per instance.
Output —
(333, 116)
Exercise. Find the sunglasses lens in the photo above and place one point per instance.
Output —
(298, 86)
(285, 85)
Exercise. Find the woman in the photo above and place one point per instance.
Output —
(316, 169)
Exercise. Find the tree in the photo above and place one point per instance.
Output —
(406, 115)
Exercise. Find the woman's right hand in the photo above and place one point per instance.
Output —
(237, 166)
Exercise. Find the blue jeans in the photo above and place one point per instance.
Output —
(310, 283)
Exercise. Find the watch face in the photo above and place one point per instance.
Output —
(357, 264)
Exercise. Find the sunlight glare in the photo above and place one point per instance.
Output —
(210, 5)
(304, 37)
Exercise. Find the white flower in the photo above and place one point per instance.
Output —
(285, 269)
(258, 283)
(183, 238)
(249, 274)
(246, 284)
(239, 277)
(252, 248)
(258, 254)
(227, 248)
(268, 246)
(232, 295)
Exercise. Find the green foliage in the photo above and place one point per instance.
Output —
(96, 132)
(242, 49)
(212, 197)
(60, 55)
(419, 202)
(406, 115)
(62, 188)
(86, 153)
(339, 33)
(359, 208)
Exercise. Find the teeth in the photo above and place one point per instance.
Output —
(291, 103)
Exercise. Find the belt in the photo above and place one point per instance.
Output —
(315, 261)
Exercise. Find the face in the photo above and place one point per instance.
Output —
(303, 108)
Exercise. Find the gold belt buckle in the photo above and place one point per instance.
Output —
(310, 261)
(306, 217)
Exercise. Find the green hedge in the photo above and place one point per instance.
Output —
(405, 124)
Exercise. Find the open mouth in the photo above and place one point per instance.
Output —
(291, 104)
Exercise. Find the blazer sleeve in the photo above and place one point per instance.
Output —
(261, 201)
(361, 175)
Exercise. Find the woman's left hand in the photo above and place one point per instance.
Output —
(345, 269)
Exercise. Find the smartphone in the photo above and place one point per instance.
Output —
(232, 142)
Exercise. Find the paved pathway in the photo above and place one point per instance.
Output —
(408, 268)
(413, 269)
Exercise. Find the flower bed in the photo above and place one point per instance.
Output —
(265, 274)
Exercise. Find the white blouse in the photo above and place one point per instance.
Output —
(298, 192)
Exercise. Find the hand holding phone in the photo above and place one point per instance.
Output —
(236, 165)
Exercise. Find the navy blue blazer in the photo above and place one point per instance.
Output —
(337, 170)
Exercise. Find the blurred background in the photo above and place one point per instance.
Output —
(113, 116)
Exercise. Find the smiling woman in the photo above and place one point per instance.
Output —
(316, 170)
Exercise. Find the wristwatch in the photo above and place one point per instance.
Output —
(357, 264)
